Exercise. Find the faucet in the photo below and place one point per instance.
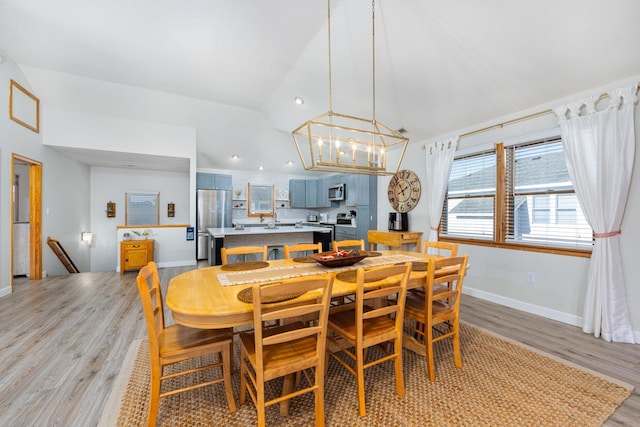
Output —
(261, 217)
(276, 216)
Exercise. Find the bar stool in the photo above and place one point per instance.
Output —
(275, 252)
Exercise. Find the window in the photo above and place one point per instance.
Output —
(142, 209)
(517, 195)
(471, 197)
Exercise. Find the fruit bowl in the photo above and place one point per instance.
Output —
(338, 258)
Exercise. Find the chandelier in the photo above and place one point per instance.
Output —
(335, 142)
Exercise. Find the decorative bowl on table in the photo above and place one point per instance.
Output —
(339, 258)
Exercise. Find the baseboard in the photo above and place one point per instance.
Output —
(548, 313)
(526, 307)
(5, 291)
(184, 263)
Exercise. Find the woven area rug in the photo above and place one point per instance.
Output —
(501, 384)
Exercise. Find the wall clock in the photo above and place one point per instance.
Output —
(404, 191)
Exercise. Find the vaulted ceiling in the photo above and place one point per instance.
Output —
(440, 65)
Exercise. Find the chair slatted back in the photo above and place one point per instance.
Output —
(287, 312)
(440, 248)
(151, 296)
(391, 289)
(301, 248)
(349, 244)
(450, 272)
(243, 250)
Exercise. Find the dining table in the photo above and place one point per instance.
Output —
(215, 297)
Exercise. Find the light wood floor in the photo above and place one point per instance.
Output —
(63, 339)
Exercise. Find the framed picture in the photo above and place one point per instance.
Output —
(24, 107)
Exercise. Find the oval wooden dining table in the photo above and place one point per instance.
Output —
(207, 298)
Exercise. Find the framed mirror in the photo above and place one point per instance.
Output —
(260, 200)
(24, 107)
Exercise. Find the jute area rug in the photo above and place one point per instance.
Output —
(501, 384)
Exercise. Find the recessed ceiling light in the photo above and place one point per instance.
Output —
(260, 168)
(235, 156)
(290, 162)
(298, 100)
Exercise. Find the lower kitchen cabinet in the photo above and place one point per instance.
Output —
(135, 254)
(345, 233)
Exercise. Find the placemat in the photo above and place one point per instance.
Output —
(350, 276)
(243, 266)
(304, 269)
(306, 259)
(419, 266)
(246, 295)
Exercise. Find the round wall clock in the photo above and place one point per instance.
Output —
(404, 191)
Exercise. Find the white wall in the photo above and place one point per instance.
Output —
(64, 191)
(111, 184)
(500, 275)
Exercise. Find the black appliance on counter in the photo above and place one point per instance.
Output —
(398, 221)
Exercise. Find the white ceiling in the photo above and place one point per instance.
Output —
(440, 65)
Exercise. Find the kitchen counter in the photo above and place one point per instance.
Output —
(258, 230)
(274, 238)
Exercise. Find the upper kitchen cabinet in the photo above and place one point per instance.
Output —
(311, 188)
(360, 189)
(298, 193)
(323, 193)
(213, 181)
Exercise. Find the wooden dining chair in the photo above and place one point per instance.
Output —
(243, 251)
(301, 248)
(374, 319)
(435, 315)
(176, 343)
(272, 352)
(348, 244)
(440, 248)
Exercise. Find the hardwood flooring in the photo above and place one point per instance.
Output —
(63, 340)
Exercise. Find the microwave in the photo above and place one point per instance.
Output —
(336, 192)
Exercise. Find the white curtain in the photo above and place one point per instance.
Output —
(439, 161)
(599, 147)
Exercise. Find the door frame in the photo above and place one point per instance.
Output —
(35, 216)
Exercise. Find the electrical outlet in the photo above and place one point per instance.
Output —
(531, 277)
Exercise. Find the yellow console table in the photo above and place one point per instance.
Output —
(394, 239)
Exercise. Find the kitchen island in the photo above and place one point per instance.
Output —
(262, 235)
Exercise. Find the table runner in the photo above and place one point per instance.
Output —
(279, 273)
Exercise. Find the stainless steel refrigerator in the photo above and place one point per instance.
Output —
(213, 210)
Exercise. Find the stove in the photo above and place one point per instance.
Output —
(344, 219)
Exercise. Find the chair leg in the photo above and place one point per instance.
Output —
(226, 373)
(398, 366)
(457, 354)
(319, 397)
(243, 377)
(287, 387)
(260, 400)
(154, 396)
(360, 379)
(428, 342)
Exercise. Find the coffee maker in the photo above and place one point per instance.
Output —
(398, 221)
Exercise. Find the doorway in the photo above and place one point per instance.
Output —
(26, 176)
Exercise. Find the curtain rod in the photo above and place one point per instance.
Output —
(516, 120)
